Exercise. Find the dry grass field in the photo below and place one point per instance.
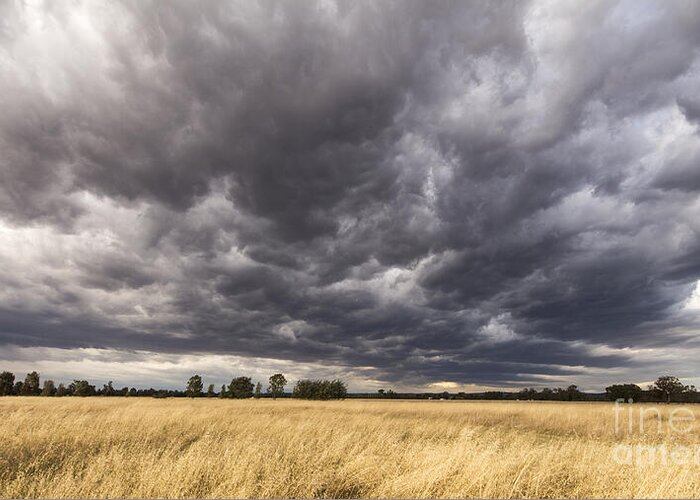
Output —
(121, 447)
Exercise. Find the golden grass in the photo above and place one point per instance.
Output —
(135, 447)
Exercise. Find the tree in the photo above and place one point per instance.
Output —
(61, 391)
(241, 388)
(527, 394)
(31, 385)
(258, 390)
(210, 391)
(108, 389)
(305, 389)
(320, 389)
(81, 388)
(668, 387)
(573, 394)
(7, 380)
(624, 391)
(690, 394)
(19, 388)
(223, 393)
(338, 389)
(277, 383)
(49, 388)
(194, 386)
(546, 394)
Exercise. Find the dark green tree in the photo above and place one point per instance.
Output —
(527, 394)
(31, 385)
(108, 389)
(338, 389)
(81, 388)
(194, 386)
(49, 388)
(305, 389)
(668, 388)
(573, 394)
(623, 391)
(277, 383)
(320, 389)
(690, 394)
(241, 388)
(61, 390)
(7, 380)
(546, 394)
(258, 390)
(210, 391)
(223, 393)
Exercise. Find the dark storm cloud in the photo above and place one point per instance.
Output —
(493, 193)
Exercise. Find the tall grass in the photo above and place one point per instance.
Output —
(134, 447)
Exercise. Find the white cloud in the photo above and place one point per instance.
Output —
(497, 330)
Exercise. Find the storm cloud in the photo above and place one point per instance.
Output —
(414, 194)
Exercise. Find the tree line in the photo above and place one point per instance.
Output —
(665, 389)
(239, 388)
(243, 388)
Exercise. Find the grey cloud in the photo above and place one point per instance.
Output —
(360, 184)
(690, 109)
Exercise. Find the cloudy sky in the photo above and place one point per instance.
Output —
(417, 195)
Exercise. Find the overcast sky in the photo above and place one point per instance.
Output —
(417, 195)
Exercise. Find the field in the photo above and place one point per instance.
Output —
(134, 447)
